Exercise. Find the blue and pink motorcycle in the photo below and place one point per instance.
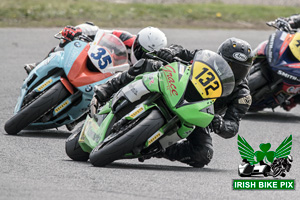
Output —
(274, 79)
(58, 90)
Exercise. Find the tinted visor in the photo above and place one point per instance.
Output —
(239, 70)
(138, 50)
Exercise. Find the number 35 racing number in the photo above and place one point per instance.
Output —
(103, 57)
(206, 81)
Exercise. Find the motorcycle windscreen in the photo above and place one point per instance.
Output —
(108, 53)
(211, 75)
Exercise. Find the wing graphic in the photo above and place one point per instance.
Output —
(284, 148)
(246, 150)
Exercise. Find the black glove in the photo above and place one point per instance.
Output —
(144, 65)
(166, 54)
(217, 124)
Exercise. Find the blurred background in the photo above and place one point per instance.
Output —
(245, 2)
(192, 14)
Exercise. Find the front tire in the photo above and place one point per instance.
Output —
(73, 149)
(256, 80)
(36, 109)
(137, 136)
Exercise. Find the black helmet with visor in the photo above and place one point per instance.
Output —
(238, 54)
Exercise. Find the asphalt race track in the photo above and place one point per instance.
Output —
(34, 166)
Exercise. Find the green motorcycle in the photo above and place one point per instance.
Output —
(154, 111)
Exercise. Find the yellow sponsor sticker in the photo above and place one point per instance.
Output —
(44, 85)
(135, 113)
(154, 137)
(206, 81)
(61, 106)
(295, 46)
(82, 136)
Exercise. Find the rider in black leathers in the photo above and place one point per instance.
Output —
(197, 149)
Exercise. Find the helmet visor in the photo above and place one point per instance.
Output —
(138, 50)
(239, 70)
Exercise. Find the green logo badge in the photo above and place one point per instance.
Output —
(264, 161)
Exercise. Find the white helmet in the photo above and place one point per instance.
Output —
(148, 39)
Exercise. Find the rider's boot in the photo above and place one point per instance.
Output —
(288, 105)
(196, 151)
(29, 67)
(71, 126)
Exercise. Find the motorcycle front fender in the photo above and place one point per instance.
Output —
(94, 131)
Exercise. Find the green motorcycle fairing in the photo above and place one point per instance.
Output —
(93, 131)
(187, 91)
(173, 82)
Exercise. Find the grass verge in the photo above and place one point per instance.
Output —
(56, 13)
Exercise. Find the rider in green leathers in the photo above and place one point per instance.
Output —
(197, 149)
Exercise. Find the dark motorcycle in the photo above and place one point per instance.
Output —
(274, 79)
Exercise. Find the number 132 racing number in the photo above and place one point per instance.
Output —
(206, 81)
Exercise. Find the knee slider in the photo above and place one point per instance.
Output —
(202, 156)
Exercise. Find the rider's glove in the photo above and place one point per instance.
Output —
(144, 65)
(217, 124)
(167, 54)
(69, 33)
(294, 21)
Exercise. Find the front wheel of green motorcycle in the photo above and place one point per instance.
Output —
(73, 149)
(135, 136)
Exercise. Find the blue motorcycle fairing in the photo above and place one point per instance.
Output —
(273, 48)
(277, 62)
(40, 74)
(71, 52)
(37, 74)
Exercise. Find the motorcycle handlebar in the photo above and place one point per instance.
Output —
(80, 37)
(281, 24)
(152, 55)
